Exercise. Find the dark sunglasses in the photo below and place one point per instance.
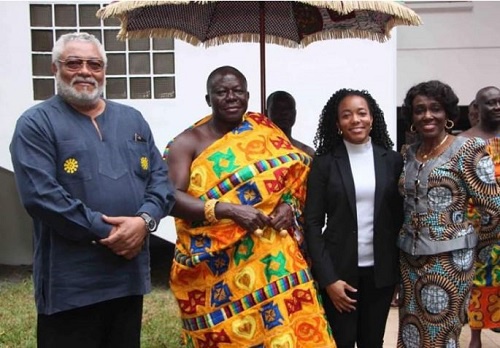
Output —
(75, 64)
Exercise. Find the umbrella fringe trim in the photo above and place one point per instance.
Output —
(403, 14)
(220, 40)
(249, 37)
(159, 33)
(345, 34)
(254, 38)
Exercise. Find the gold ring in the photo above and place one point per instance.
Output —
(283, 233)
(258, 232)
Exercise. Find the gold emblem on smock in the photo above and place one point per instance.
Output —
(144, 163)
(71, 165)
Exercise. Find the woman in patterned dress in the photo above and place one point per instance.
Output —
(441, 173)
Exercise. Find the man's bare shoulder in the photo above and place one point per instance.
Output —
(469, 133)
(188, 139)
(477, 132)
(192, 141)
(189, 134)
(306, 148)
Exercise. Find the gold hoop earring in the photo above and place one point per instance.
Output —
(449, 126)
(413, 129)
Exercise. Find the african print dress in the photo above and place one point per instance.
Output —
(484, 307)
(235, 289)
(438, 242)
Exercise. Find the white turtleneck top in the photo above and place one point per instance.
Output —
(363, 173)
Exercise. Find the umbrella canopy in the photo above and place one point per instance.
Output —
(287, 23)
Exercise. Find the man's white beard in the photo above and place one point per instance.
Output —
(79, 98)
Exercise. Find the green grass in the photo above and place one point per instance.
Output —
(161, 325)
(17, 314)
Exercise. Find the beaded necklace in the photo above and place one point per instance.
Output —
(430, 153)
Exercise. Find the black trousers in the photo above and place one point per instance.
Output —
(109, 324)
(366, 325)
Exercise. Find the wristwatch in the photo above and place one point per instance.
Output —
(151, 224)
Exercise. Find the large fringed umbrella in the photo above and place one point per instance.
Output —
(286, 23)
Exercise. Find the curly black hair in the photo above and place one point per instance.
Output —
(437, 90)
(327, 136)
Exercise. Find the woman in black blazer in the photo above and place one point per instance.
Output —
(353, 183)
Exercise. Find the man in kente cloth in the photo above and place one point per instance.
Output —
(238, 274)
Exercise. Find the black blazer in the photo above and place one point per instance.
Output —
(331, 194)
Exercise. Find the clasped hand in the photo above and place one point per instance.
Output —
(251, 218)
(338, 295)
(127, 235)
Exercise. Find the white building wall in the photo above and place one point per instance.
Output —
(458, 44)
(16, 92)
(312, 75)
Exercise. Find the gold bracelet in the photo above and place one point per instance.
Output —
(210, 210)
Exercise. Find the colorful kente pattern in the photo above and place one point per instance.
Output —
(436, 286)
(484, 307)
(235, 289)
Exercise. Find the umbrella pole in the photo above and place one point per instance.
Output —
(262, 43)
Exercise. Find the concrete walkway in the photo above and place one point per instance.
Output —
(489, 338)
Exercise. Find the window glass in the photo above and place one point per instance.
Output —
(164, 87)
(65, 15)
(87, 16)
(96, 33)
(43, 88)
(59, 33)
(40, 15)
(41, 40)
(163, 44)
(116, 88)
(163, 63)
(42, 64)
(111, 22)
(138, 45)
(111, 43)
(139, 64)
(140, 88)
(117, 64)
(137, 69)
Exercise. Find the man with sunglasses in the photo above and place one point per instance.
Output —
(91, 177)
